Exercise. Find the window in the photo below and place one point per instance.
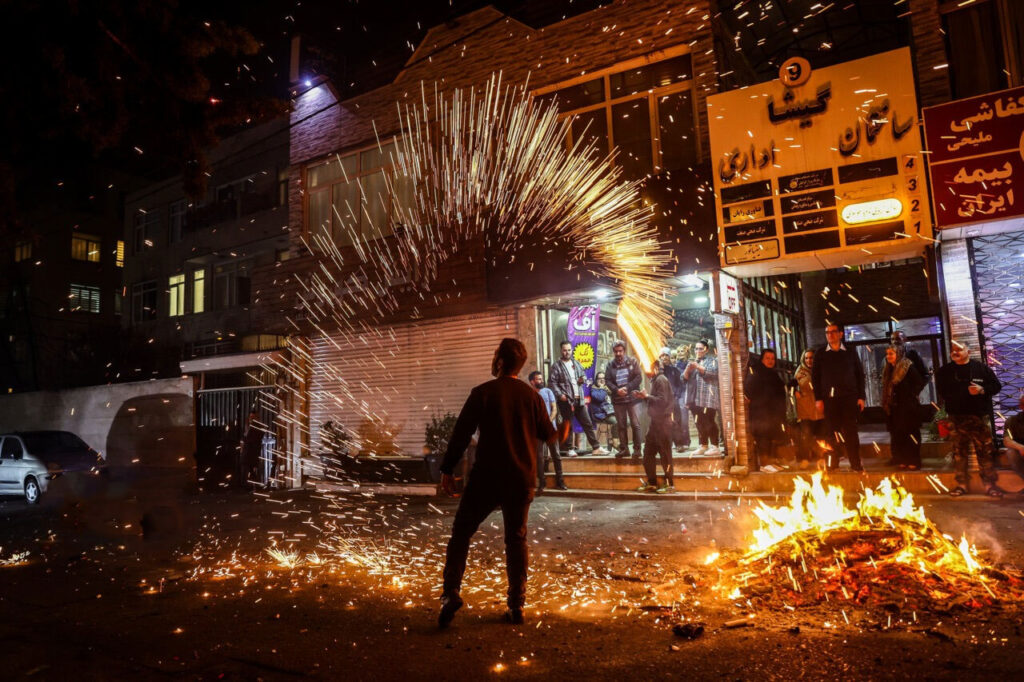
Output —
(119, 253)
(647, 112)
(349, 199)
(231, 285)
(144, 302)
(118, 302)
(198, 290)
(85, 247)
(144, 230)
(84, 299)
(22, 251)
(282, 187)
(176, 215)
(176, 295)
(998, 25)
(11, 448)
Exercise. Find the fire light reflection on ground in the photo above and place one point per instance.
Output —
(879, 564)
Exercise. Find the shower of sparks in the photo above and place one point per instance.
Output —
(486, 166)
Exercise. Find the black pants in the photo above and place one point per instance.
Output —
(766, 435)
(841, 423)
(905, 443)
(807, 441)
(628, 413)
(680, 425)
(707, 426)
(658, 443)
(542, 461)
(567, 410)
(479, 500)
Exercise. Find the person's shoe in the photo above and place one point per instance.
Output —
(514, 616)
(621, 454)
(958, 491)
(647, 489)
(599, 451)
(571, 453)
(995, 491)
(636, 457)
(449, 605)
(712, 451)
(665, 490)
(803, 464)
(539, 491)
(561, 485)
(702, 450)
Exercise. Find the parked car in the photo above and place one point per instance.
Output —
(31, 460)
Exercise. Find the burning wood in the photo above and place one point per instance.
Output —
(884, 552)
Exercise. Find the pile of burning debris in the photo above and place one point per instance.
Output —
(883, 554)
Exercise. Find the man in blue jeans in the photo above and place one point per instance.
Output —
(537, 381)
(512, 420)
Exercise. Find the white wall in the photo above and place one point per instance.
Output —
(149, 421)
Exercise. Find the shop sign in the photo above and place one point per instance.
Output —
(815, 169)
(976, 151)
(726, 290)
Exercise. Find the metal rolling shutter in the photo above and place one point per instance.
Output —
(403, 373)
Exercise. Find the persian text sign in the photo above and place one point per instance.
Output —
(582, 334)
(976, 151)
(790, 161)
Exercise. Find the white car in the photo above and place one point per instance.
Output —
(30, 460)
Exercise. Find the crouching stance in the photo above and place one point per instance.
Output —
(513, 421)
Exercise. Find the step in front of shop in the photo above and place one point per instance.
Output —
(615, 465)
(781, 483)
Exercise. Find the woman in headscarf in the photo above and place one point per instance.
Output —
(811, 421)
(901, 383)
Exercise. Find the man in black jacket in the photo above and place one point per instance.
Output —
(566, 382)
(966, 387)
(512, 420)
(660, 404)
(838, 380)
(623, 377)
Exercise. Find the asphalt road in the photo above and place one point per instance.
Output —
(115, 588)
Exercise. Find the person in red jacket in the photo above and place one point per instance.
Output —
(513, 421)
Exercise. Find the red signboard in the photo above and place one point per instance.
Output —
(976, 151)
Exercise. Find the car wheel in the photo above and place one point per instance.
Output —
(32, 491)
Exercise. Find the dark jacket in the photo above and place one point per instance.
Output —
(512, 420)
(660, 400)
(600, 403)
(837, 374)
(675, 380)
(561, 383)
(905, 411)
(952, 380)
(631, 379)
(766, 392)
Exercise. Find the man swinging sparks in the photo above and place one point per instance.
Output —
(513, 421)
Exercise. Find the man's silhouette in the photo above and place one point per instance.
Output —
(513, 421)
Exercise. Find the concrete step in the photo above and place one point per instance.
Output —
(609, 464)
(760, 483)
(880, 449)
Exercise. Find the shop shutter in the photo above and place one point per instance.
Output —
(999, 272)
(404, 373)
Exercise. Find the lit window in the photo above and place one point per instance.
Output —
(85, 247)
(198, 291)
(84, 299)
(119, 254)
(176, 294)
(22, 251)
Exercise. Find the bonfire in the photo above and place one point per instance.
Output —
(883, 552)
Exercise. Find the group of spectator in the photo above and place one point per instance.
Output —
(681, 387)
(828, 392)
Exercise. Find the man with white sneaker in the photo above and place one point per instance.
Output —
(566, 381)
(703, 372)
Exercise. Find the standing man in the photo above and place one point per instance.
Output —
(675, 381)
(838, 380)
(511, 417)
(659, 434)
(898, 338)
(566, 381)
(537, 381)
(702, 375)
(966, 387)
(624, 377)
